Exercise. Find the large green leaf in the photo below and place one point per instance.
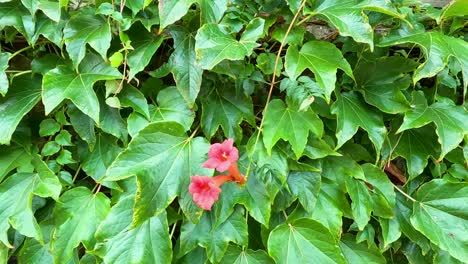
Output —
(382, 80)
(77, 215)
(146, 243)
(282, 122)
(227, 108)
(144, 45)
(171, 107)
(4, 57)
(14, 157)
(349, 16)
(137, 5)
(351, 113)
(305, 185)
(24, 94)
(170, 11)
(416, 145)
(34, 252)
(13, 13)
(212, 11)
(236, 255)
(330, 207)
(455, 8)
(64, 83)
(441, 214)
(187, 73)
(254, 196)
(214, 239)
(381, 191)
(303, 241)
(361, 205)
(213, 43)
(49, 8)
(83, 125)
(84, 27)
(437, 48)
(320, 57)
(450, 120)
(163, 158)
(359, 252)
(18, 212)
(96, 161)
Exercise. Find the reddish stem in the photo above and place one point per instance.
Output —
(235, 174)
(220, 179)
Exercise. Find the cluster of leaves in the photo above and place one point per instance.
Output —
(108, 107)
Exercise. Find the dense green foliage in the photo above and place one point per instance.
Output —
(350, 117)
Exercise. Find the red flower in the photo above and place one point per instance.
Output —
(222, 156)
(205, 190)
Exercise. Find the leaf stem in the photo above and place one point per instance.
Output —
(272, 83)
(404, 194)
(76, 173)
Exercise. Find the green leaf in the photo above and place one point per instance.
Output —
(64, 138)
(65, 157)
(450, 120)
(382, 193)
(18, 212)
(111, 121)
(96, 162)
(361, 205)
(64, 83)
(48, 127)
(77, 216)
(403, 211)
(454, 8)
(137, 5)
(282, 122)
(212, 12)
(382, 80)
(14, 14)
(187, 73)
(437, 48)
(214, 239)
(171, 11)
(83, 125)
(14, 157)
(351, 113)
(359, 252)
(227, 108)
(4, 57)
(84, 27)
(305, 185)
(50, 148)
(416, 145)
(144, 45)
(171, 107)
(440, 213)
(48, 28)
(303, 241)
(390, 230)
(253, 196)
(24, 94)
(213, 43)
(330, 207)
(236, 255)
(50, 9)
(134, 98)
(33, 252)
(146, 243)
(322, 58)
(349, 16)
(163, 158)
